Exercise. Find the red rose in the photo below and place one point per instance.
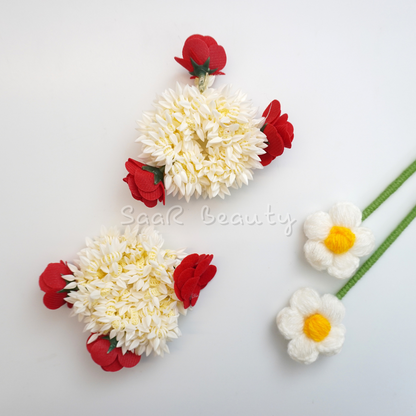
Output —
(110, 358)
(51, 282)
(202, 54)
(145, 183)
(278, 130)
(192, 275)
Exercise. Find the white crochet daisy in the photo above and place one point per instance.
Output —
(336, 240)
(313, 325)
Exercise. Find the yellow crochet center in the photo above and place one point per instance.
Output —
(316, 327)
(340, 240)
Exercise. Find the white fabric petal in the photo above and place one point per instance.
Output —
(303, 350)
(306, 301)
(317, 226)
(332, 309)
(318, 255)
(332, 344)
(344, 265)
(345, 214)
(364, 242)
(290, 323)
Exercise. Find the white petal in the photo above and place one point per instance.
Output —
(345, 214)
(333, 309)
(332, 344)
(303, 350)
(317, 226)
(290, 323)
(318, 255)
(364, 242)
(306, 301)
(344, 265)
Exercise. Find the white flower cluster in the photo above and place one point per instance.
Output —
(126, 290)
(208, 142)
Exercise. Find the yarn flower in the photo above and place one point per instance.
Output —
(278, 130)
(192, 275)
(313, 325)
(145, 183)
(108, 356)
(53, 282)
(202, 55)
(336, 240)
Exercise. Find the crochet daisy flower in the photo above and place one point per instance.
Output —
(336, 240)
(312, 324)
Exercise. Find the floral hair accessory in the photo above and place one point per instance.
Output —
(336, 240)
(203, 141)
(312, 323)
(129, 292)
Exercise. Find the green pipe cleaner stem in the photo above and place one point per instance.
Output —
(366, 266)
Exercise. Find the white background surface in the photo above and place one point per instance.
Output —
(74, 77)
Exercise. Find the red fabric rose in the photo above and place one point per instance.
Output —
(199, 49)
(278, 130)
(51, 282)
(145, 185)
(192, 275)
(114, 360)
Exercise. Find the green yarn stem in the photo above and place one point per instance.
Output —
(391, 189)
(366, 266)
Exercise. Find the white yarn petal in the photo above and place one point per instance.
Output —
(306, 301)
(317, 254)
(303, 350)
(333, 309)
(317, 225)
(290, 322)
(345, 214)
(344, 265)
(332, 344)
(364, 242)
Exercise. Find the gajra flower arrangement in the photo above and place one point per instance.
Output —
(129, 291)
(201, 141)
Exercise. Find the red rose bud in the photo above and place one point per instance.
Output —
(278, 130)
(202, 55)
(192, 275)
(52, 283)
(105, 354)
(145, 183)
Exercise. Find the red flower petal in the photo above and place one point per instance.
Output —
(203, 265)
(272, 112)
(183, 278)
(90, 345)
(132, 165)
(189, 291)
(99, 352)
(52, 276)
(196, 49)
(276, 146)
(113, 367)
(208, 40)
(54, 300)
(207, 276)
(154, 195)
(43, 286)
(266, 159)
(129, 359)
(218, 58)
(145, 180)
(185, 63)
(286, 132)
(129, 179)
(178, 292)
(188, 261)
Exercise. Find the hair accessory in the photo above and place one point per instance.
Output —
(313, 323)
(202, 141)
(336, 239)
(129, 291)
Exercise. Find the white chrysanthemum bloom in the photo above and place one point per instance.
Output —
(336, 240)
(208, 142)
(313, 325)
(126, 290)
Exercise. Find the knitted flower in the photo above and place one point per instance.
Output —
(192, 275)
(312, 324)
(104, 353)
(278, 130)
(336, 240)
(53, 281)
(201, 55)
(145, 183)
